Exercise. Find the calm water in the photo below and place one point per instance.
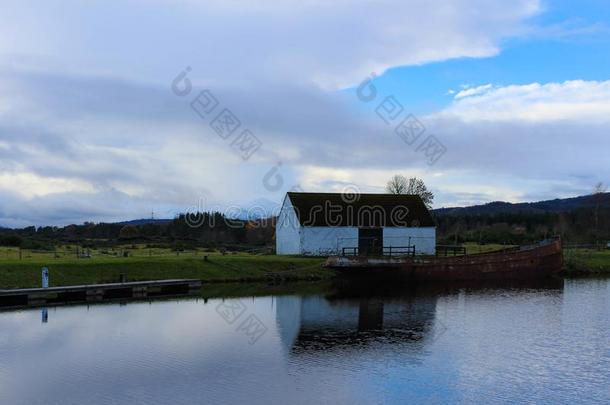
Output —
(533, 343)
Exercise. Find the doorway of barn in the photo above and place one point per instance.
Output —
(370, 241)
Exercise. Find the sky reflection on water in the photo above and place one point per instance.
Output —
(541, 343)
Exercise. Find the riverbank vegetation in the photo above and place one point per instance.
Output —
(140, 264)
(587, 261)
(72, 264)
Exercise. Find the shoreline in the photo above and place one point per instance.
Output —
(217, 269)
(583, 262)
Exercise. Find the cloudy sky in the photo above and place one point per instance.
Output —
(110, 110)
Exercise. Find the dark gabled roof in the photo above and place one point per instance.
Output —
(362, 210)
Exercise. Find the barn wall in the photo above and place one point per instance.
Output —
(287, 231)
(424, 239)
(292, 238)
(324, 241)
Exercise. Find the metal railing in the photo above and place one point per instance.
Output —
(399, 251)
(349, 251)
(446, 250)
(385, 251)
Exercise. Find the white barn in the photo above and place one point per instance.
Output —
(322, 224)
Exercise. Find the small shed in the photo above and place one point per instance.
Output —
(322, 224)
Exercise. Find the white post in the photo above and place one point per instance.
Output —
(45, 277)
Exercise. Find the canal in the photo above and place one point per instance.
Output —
(539, 343)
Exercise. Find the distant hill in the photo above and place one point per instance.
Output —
(541, 207)
(254, 210)
(145, 221)
(263, 208)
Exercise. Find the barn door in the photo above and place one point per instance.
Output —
(370, 241)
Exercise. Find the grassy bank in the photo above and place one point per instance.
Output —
(15, 273)
(587, 261)
(474, 248)
(155, 264)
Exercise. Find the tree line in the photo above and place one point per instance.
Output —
(587, 224)
(583, 225)
(185, 230)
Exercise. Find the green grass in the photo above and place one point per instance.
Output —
(72, 251)
(15, 273)
(587, 261)
(156, 264)
(21, 269)
(474, 248)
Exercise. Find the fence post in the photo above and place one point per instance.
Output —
(45, 277)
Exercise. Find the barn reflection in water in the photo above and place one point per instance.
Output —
(354, 319)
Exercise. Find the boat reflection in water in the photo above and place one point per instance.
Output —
(359, 315)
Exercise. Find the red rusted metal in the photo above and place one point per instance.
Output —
(536, 261)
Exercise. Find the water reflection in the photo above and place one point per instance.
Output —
(325, 323)
(354, 343)
(359, 314)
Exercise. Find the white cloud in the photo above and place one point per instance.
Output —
(473, 91)
(30, 185)
(535, 102)
(141, 148)
(333, 44)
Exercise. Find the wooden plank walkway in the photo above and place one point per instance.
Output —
(27, 297)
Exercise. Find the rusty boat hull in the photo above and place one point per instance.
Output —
(527, 262)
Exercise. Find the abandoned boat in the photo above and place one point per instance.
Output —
(523, 262)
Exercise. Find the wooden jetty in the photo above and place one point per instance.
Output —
(35, 297)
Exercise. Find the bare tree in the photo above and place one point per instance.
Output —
(600, 188)
(399, 184)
